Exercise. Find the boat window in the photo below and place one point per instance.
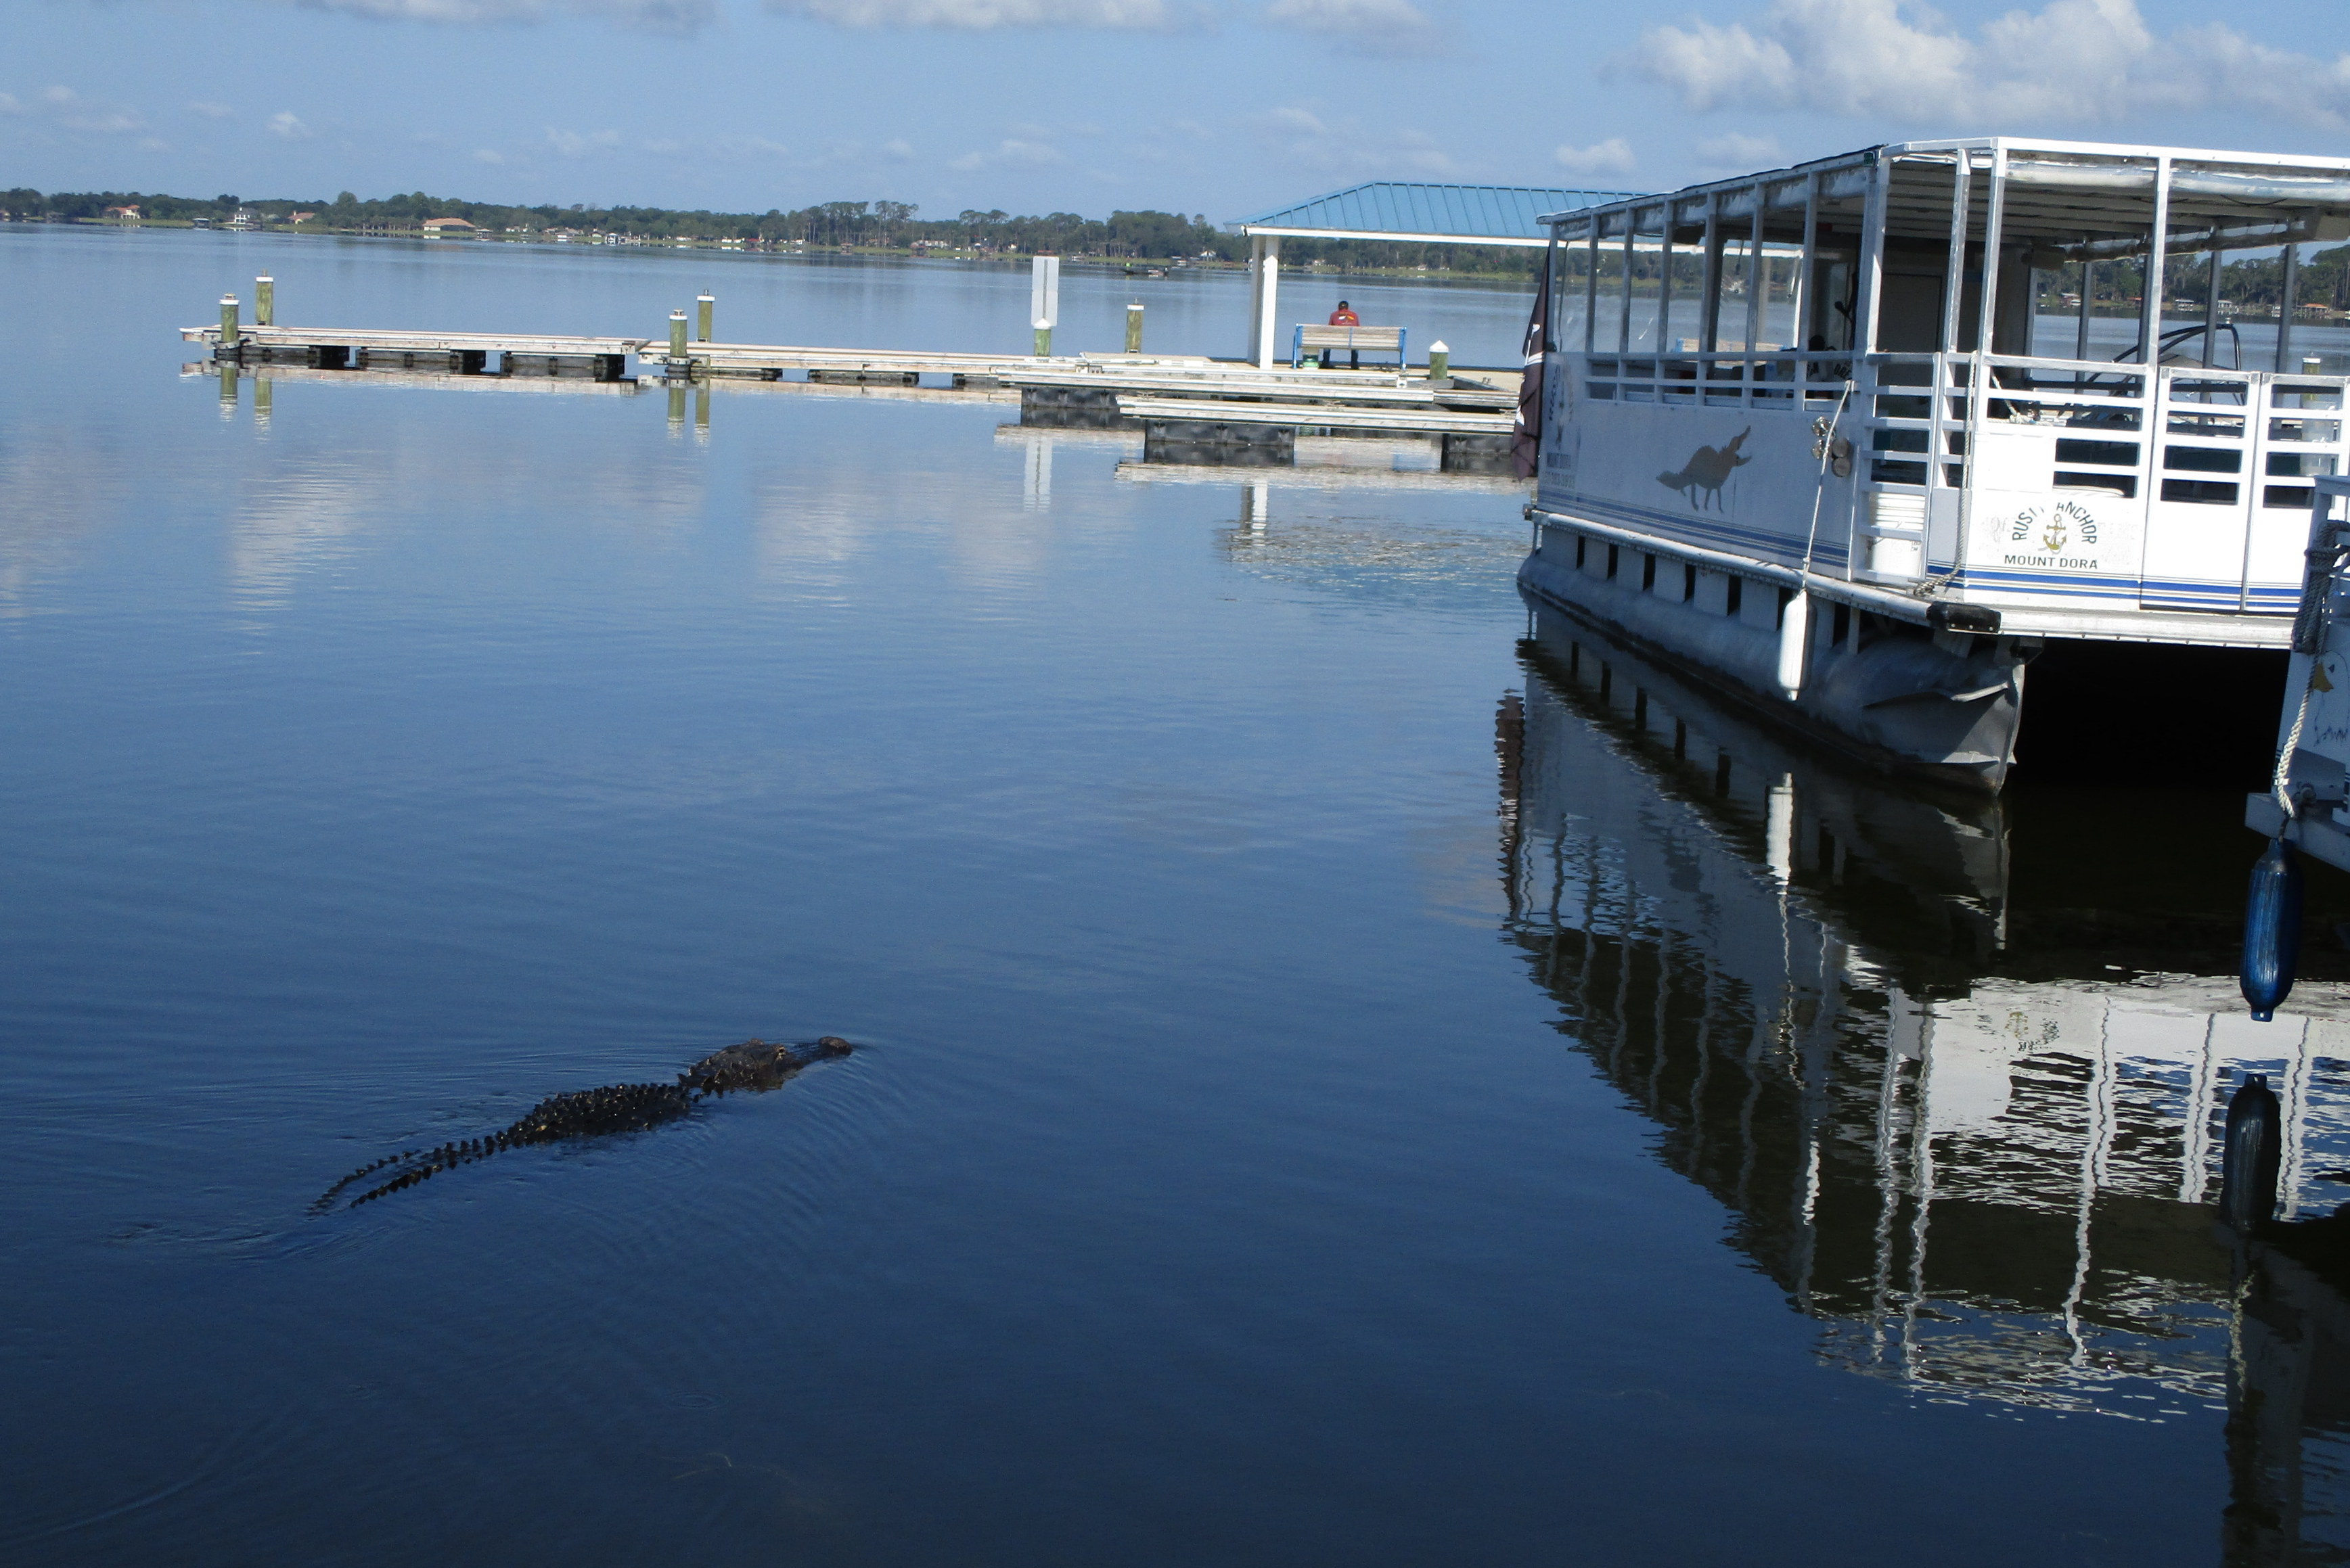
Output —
(2203, 459)
(2122, 484)
(1734, 276)
(1735, 600)
(2201, 491)
(1607, 293)
(2110, 453)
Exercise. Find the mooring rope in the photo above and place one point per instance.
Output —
(2310, 624)
(1827, 455)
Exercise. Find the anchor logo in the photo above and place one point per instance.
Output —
(2052, 537)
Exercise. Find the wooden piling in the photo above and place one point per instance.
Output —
(705, 305)
(264, 301)
(1439, 361)
(228, 321)
(1134, 328)
(1043, 341)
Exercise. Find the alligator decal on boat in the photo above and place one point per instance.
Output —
(587, 1113)
(1708, 471)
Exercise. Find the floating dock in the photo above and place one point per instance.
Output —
(1190, 409)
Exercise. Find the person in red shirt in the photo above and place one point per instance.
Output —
(1343, 316)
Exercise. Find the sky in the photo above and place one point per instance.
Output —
(1222, 108)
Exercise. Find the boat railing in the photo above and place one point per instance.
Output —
(2211, 466)
(1763, 376)
(2193, 449)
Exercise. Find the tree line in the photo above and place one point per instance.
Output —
(1139, 235)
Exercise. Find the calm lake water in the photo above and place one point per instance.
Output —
(1346, 1073)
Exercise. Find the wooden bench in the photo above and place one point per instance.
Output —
(1347, 340)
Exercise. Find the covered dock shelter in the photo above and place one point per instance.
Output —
(1398, 212)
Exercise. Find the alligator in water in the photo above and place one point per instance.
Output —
(584, 1113)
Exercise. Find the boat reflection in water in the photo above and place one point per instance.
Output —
(1975, 1137)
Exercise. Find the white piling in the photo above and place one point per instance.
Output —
(1044, 300)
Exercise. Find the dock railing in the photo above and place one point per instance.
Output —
(2212, 468)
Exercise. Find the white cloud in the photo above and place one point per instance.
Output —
(1011, 152)
(2072, 61)
(1735, 152)
(982, 16)
(656, 16)
(210, 111)
(1378, 26)
(11, 104)
(748, 147)
(489, 155)
(572, 144)
(68, 110)
(897, 150)
(286, 123)
(1613, 156)
(1303, 138)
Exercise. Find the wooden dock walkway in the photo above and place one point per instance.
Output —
(1190, 407)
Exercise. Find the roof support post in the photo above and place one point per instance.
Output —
(1954, 274)
(1709, 335)
(1664, 344)
(1554, 280)
(1591, 293)
(1871, 262)
(2289, 287)
(2088, 298)
(1801, 295)
(1624, 327)
(1265, 300)
(1758, 276)
(1994, 221)
(2150, 328)
(1986, 326)
(2211, 303)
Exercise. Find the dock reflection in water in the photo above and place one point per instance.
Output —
(1975, 1139)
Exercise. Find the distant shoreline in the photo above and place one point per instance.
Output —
(796, 251)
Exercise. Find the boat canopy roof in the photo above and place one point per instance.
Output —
(1401, 209)
(2063, 199)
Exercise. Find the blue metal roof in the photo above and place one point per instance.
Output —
(1407, 210)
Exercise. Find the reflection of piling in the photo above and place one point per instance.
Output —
(261, 402)
(228, 387)
(676, 407)
(702, 411)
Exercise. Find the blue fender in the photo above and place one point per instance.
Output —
(2272, 929)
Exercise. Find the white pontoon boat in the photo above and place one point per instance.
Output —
(1798, 438)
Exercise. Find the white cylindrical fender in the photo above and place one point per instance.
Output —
(1795, 643)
